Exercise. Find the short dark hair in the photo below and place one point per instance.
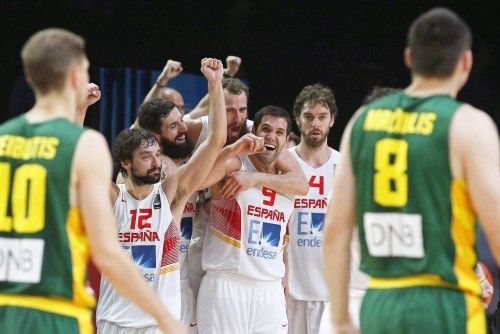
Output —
(436, 40)
(127, 142)
(315, 94)
(377, 92)
(274, 111)
(48, 55)
(235, 86)
(151, 113)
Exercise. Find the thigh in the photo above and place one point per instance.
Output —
(25, 320)
(422, 309)
(222, 306)
(269, 310)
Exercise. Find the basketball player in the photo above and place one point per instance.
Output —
(315, 111)
(418, 169)
(54, 208)
(243, 250)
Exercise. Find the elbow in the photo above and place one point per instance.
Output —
(302, 186)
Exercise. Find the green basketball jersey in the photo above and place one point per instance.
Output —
(416, 223)
(43, 248)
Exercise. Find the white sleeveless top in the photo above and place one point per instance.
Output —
(245, 236)
(148, 234)
(187, 232)
(305, 264)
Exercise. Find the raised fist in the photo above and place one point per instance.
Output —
(212, 69)
(171, 70)
(232, 65)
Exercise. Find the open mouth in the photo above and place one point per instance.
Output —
(270, 147)
(235, 129)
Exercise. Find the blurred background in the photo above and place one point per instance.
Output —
(349, 45)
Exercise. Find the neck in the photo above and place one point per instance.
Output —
(52, 105)
(424, 86)
(314, 156)
(138, 192)
(262, 167)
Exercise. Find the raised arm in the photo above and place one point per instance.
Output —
(92, 168)
(193, 173)
(171, 70)
(232, 67)
(339, 223)
(93, 95)
(291, 181)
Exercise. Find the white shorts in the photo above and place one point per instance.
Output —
(106, 327)
(233, 304)
(188, 307)
(195, 269)
(304, 317)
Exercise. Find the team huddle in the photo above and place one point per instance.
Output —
(221, 224)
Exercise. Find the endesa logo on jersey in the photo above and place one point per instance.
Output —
(186, 232)
(310, 228)
(263, 239)
(145, 257)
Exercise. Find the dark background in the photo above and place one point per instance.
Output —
(348, 45)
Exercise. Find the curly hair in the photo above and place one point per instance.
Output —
(127, 142)
(151, 113)
(315, 94)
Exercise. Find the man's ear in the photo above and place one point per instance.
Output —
(408, 59)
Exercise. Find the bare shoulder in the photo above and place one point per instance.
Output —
(92, 155)
(193, 128)
(470, 126)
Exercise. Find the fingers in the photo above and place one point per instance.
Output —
(229, 188)
(211, 63)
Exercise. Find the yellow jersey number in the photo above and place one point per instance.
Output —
(27, 198)
(390, 182)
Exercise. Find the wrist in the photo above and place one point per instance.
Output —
(161, 83)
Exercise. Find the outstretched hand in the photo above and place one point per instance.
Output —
(212, 69)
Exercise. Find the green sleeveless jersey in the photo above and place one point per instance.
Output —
(416, 223)
(43, 248)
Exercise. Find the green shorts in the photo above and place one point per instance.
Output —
(421, 309)
(15, 319)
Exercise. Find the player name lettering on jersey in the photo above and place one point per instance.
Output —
(400, 121)
(38, 147)
(138, 236)
(310, 203)
(271, 214)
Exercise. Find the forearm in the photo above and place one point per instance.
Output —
(219, 169)
(155, 91)
(217, 127)
(201, 108)
(125, 278)
(291, 183)
(336, 264)
(80, 115)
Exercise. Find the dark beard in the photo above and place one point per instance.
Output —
(177, 151)
(314, 143)
(243, 132)
(139, 180)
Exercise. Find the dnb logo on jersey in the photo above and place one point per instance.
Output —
(263, 239)
(310, 228)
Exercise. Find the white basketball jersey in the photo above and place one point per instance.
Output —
(245, 235)
(186, 232)
(305, 265)
(148, 234)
